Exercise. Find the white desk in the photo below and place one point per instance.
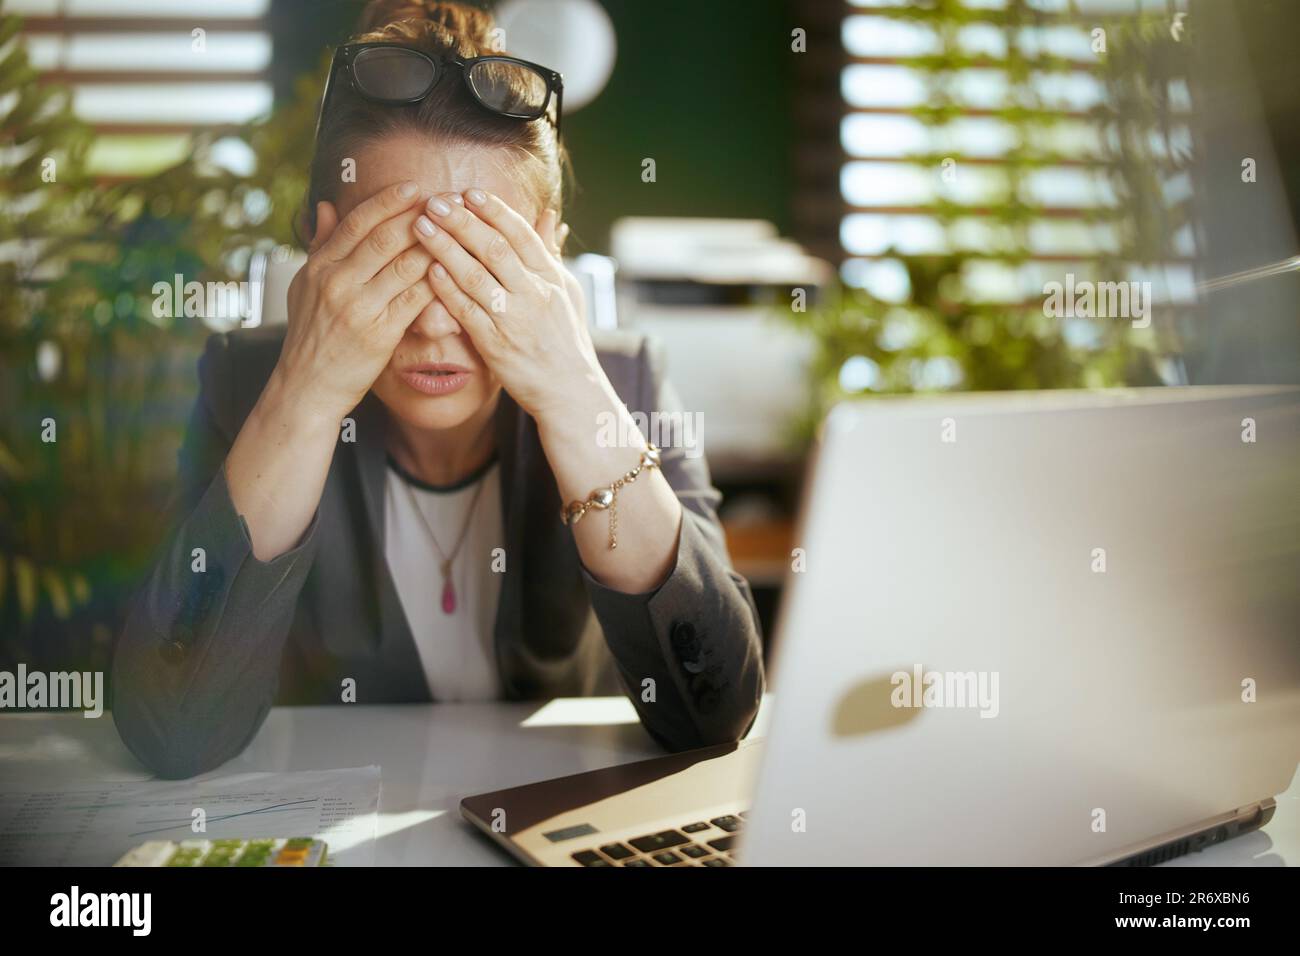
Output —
(433, 755)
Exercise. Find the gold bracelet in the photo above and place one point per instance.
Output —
(607, 498)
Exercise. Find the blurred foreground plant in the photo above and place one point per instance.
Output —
(84, 359)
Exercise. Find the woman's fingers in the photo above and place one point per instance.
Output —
(491, 247)
(381, 247)
(470, 275)
(357, 224)
(464, 309)
(523, 238)
(406, 270)
(405, 307)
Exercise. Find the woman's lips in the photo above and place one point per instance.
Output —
(436, 378)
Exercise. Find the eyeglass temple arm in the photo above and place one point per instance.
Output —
(325, 97)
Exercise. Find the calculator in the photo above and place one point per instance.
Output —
(292, 851)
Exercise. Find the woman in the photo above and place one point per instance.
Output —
(410, 494)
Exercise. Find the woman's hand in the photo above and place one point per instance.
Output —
(523, 310)
(363, 284)
(496, 275)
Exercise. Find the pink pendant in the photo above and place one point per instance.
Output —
(448, 597)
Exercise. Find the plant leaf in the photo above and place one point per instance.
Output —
(25, 586)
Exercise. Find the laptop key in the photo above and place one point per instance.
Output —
(617, 851)
(694, 827)
(695, 851)
(659, 841)
(715, 861)
(667, 858)
(639, 861)
(729, 823)
(722, 844)
(589, 858)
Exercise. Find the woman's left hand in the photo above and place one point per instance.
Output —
(496, 275)
(524, 311)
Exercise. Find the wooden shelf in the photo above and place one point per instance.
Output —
(761, 552)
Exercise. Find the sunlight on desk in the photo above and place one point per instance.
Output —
(396, 822)
(582, 712)
(608, 711)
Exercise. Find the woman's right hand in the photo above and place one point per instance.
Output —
(364, 283)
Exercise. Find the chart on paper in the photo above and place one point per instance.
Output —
(93, 824)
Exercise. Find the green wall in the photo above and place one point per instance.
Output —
(702, 87)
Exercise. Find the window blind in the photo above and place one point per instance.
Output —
(998, 131)
(148, 73)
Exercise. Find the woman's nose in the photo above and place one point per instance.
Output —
(435, 322)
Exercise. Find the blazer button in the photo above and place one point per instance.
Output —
(706, 694)
(173, 652)
(685, 644)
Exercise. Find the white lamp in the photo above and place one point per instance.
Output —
(572, 37)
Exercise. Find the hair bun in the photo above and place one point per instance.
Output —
(469, 24)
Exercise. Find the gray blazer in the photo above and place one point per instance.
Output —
(205, 654)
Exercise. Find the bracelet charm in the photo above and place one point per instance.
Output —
(606, 499)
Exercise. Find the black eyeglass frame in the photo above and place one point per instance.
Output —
(345, 54)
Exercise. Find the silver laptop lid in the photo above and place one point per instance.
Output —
(1036, 627)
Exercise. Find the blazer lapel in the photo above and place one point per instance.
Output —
(543, 606)
(400, 659)
(510, 436)
(371, 445)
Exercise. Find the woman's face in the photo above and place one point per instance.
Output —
(435, 342)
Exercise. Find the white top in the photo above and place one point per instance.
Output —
(457, 649)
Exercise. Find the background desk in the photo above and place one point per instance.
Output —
(433, 755)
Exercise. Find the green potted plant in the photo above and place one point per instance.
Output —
(97, 382)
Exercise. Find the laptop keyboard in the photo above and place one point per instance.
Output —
(699, 843)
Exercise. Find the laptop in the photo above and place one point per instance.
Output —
(1053, 628)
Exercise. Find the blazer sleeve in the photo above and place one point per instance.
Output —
(196, 667)
(696, 636)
